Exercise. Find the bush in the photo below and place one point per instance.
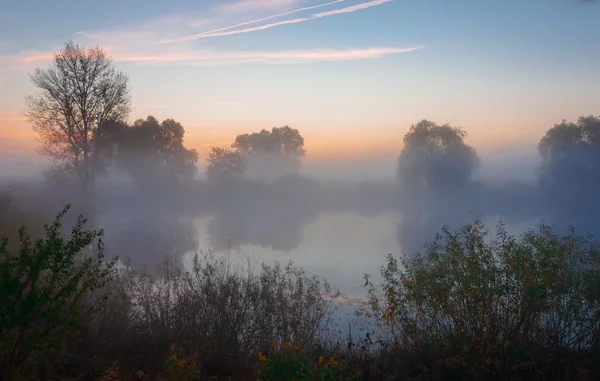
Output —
(490, 308)
(472, 307)
(213, 315)
(295, 363)
(41, 290)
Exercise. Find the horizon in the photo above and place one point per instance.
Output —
(347, 74)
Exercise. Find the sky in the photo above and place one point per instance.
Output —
(351, 75)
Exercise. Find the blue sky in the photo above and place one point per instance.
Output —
(351, 75)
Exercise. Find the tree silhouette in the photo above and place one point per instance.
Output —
(79, 92)
(225, 164)
(152, 153)
(571, 166)
(570, 152)
(272, 154)
(436, 156)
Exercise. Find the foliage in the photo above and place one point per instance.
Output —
(180, 366)
(482, 307)
(570, 155)
(217, 312)
(42, 287)
(472, 307)
(436, 156)
(564, 136)
(284, 141)
(79, 92)
(294, 363)
(271, 154)
(225, 164)
(570, 152)
(152, 153)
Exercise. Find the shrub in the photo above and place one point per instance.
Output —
(485, 308)
(41, 289)
(295, 363)
(218, 313)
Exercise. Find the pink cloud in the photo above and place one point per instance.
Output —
(213, 58)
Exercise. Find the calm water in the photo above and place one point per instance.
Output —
(340, 247)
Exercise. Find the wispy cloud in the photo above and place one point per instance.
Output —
(214, 58)
(138, 45)
(273, 57)
(353, 8)
(242, 6)
(254, 29)
(218, 32)
(213, 32)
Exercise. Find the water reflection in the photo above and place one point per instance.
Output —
(341, 247)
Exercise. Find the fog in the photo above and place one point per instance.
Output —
(338, 219)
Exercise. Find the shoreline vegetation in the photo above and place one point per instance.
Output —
(476, 305)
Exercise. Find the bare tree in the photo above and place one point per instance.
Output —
(79, 91)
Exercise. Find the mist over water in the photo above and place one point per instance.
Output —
(336, 219)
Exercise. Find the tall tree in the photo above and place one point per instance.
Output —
(272, 153)
(436, 156)
(80, 91)
(225, 164)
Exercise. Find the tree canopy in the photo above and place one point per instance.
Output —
(225, 164)
(149, 151)
(436, 156)
(281, 140)
(80, 91)
(571, 151)
(571, 166)
(272, 154)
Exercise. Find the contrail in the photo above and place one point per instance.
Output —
(215, 31)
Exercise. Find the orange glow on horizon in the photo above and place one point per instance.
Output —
(19, 137)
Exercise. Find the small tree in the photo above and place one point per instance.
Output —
(42, 287)
(436, 156)
(79, 92)
(149, 151)
(225, 164)
(272, 154)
